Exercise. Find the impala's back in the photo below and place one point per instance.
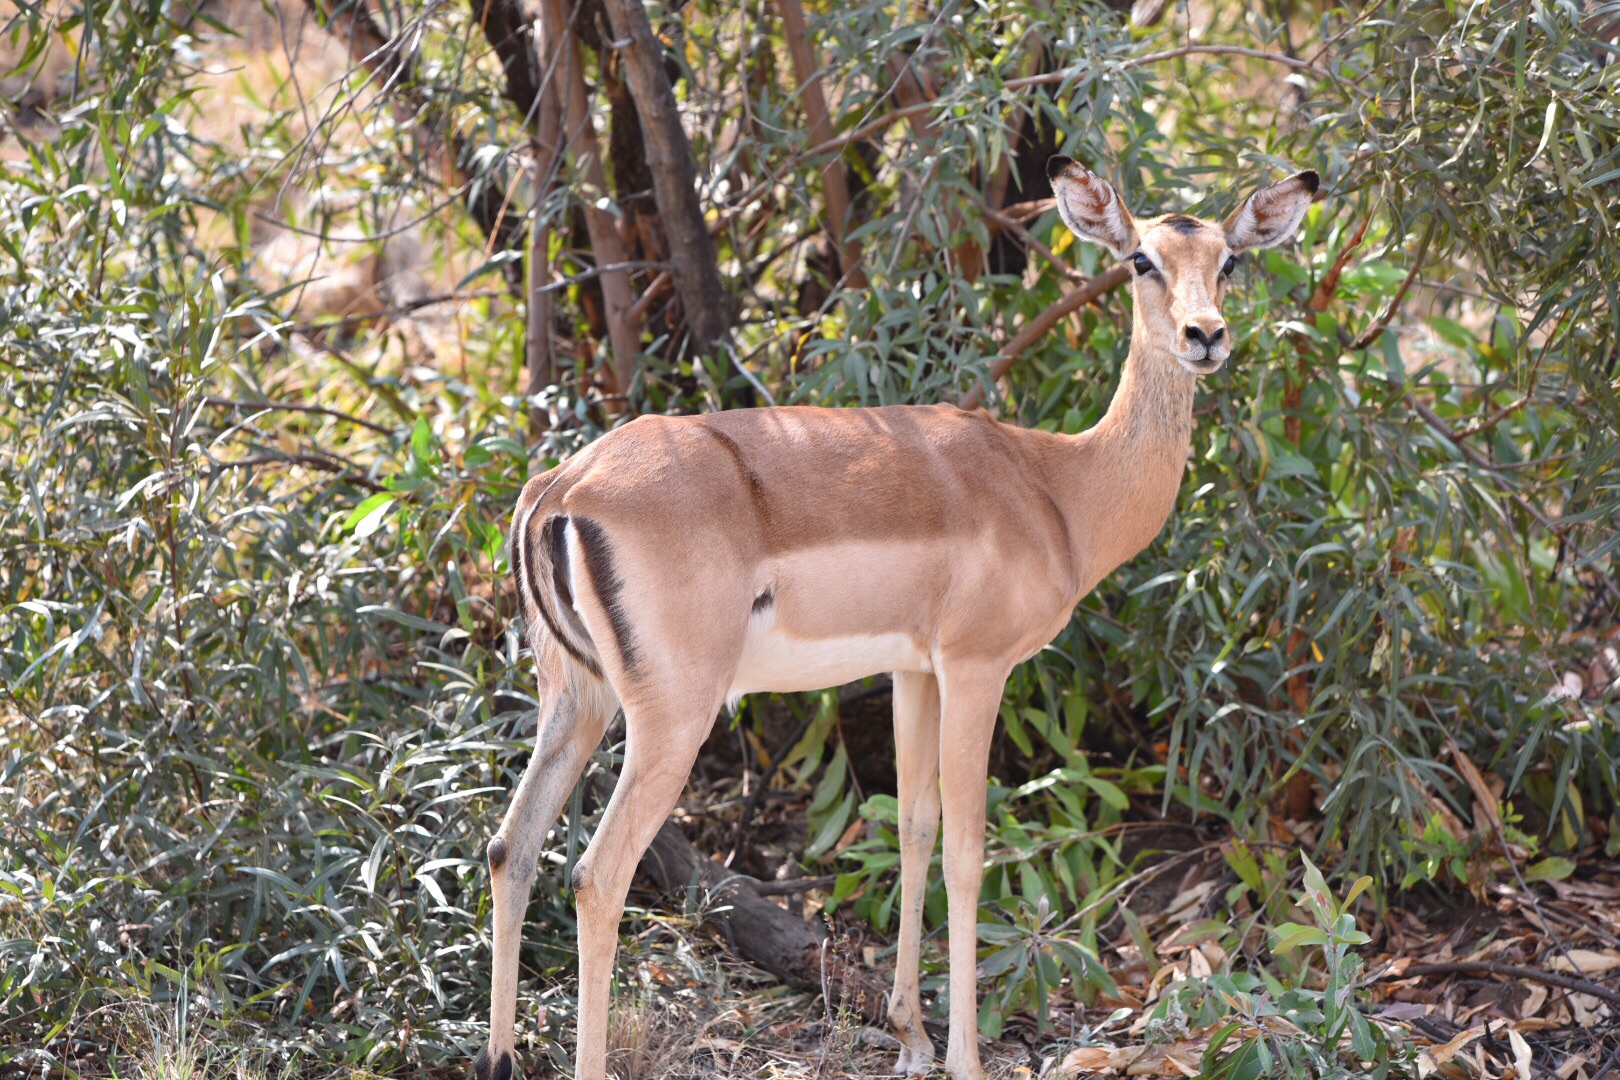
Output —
(793, 548)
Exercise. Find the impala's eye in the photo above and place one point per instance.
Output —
(1142, 262)
(1231, 265)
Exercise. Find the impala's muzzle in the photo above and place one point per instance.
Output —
(1204, 345)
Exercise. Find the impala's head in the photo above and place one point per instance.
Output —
(1181, 264)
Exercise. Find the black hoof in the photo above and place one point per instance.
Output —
(499, 1070)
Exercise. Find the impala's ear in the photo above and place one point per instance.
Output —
(1271, 215)
(1089, 206)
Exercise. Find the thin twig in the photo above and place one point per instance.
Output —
(660, 285)
(1510, 971)
(598, 271)
(746, 816)
(404, 308)
(1066, 74)
(1370, 335)
(287, 406)
(834, 184)
(1037, 327)
(1007, 224)
(315, 461)
(797, 885)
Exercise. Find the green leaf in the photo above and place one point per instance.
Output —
(1290, 936)
(1552, 868)
(831, 828)
(369, 516)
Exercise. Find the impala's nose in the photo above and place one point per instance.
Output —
(1209, 334)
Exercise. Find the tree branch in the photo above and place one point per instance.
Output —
(1003, 222)
(835, 184)
(1370, 335)
(322, 462)
(1037, 327)
(539, 349)
(287, 406)
(761, 932)
(1066, 74)
(669, 157)
(613, 262)
(1511, 971)
(485, 199)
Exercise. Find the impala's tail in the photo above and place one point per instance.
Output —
(545, 584)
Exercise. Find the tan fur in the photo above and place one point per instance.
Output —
(796, 547)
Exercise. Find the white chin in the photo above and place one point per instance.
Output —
(1201, 363)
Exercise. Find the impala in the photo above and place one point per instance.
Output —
(679, 562)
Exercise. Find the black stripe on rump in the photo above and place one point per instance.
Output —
(764, 600)
(599, 563)
(551, 536)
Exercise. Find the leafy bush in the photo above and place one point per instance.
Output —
(261, 690)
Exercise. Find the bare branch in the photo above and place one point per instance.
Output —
(1037, 327)
(287, 406)
(833, 181)
(1509, 971)
(486, 201)
(669, 157)
(1070, 73)
(322, 462)
(613, 264)
(1370, 335)
(1007, 224)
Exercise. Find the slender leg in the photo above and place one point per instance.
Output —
(563, 745)
(916, 757)
(970, 697)
(658, 757)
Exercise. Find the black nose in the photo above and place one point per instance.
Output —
(1206, 340)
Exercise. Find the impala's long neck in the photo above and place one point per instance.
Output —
(1124, 473)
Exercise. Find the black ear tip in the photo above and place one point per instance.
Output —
(1057, 165)
(1310, 180)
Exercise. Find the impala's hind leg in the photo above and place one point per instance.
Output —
(571, 725)
(916, 757)
(660, 746)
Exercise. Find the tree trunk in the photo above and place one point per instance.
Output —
(607, 246)
(669, 156)
(544, 371)
(835, 186)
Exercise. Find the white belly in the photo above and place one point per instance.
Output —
(778, 662)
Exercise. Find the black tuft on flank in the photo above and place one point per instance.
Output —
(1310, 180)
(1182, 223)
(599, 563)
(1056, 165)
(551, 536)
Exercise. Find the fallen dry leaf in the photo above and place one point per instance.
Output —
(1430, 1060)
(1585, 962)
(1571, 1066)
(1521, 1055)
(1087, 1059)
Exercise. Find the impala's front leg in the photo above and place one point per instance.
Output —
(916, 758)
(970, 697)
